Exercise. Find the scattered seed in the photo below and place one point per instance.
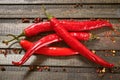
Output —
(110, 77)
(113, 54)
(103, 70)
(16, 51)
(45, 67)
(38, 67)
(112, 39)
(91, 6)
(94, 51)
(37, 20)
(116, 32)
(2, 68)
(113, 51)
(25, 20)
(31, 68)
(56, 70)
(5, 52)
(76, 5)
(64, 69)
(48, 69)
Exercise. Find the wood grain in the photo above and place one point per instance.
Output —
(104, 43)
(59, 11)
(56, 2)
(58, 76)
(73, 61)
(76, 67)
(17, 28)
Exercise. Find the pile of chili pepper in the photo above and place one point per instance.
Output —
(70, 31)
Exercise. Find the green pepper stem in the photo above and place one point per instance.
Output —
(49, 16)
(14, 38)
(21, 35)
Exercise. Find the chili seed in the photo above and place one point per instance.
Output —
(113, 39)
(113, 51)
(25, 20)
(5, 52)
(91, 6)
(110, 77)
(15, 51)
(76, 5)
(31, 68)
(64, 69)
(37, 20)
(2, 69)
(48, 69)
(103, 70)
(94, 51)
(38, 67)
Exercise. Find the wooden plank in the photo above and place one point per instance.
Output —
(60, 11)
(6, 75)
(56, 2)
(17, 28)
(60, 69)
(19, 20)
(76, 61)
(105, 43)
(53, 69)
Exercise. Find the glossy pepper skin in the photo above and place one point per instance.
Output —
(49, 51)
(69, 25)
(75, 44)
(46, 41)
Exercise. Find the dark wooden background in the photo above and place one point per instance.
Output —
(59, 68)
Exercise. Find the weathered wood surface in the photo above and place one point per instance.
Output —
(55, 76)
(61, 68)
(56, 1)
(72, 61)
(104, 43)
(7, 28)
(60, 11)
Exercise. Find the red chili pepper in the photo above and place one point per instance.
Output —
(48, 40)
(49, 51)
(69, 25)
(75, 44)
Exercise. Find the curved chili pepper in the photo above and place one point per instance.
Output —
(69, 25)
(75, 44)
(45, 41)
(49, 51)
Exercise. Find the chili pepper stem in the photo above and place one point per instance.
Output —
(49, 16)
(14, 38)
(21, 35)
